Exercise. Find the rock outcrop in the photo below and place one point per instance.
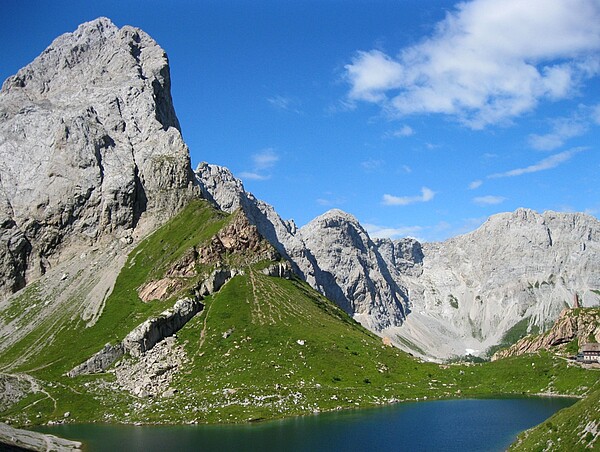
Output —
(12, 389)
(142, 338)
(15, 439)
(154, 330)
(238, 244)
(90, 148)
(582, 324)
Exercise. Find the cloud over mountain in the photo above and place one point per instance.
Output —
(485, 63)
(426, 195)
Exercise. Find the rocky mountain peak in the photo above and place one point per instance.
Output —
(338, 223)
(91, 148)
(219, 186)
(96, 57)
(336, 217)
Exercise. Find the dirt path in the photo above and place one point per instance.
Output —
(34, 385)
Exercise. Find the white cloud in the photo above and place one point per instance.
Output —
(475, 184)
(404, 131)
(248, 175)
(486, 61)
(426, 195)
(262, 162)
(371, 74)
(265, 159)
(561, 130)
(285, 103)
(488, 200)
(545, 164)
(384, 232)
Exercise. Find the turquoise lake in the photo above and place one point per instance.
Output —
(449, 425)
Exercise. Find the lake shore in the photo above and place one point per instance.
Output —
(487, 423)
(18, 439)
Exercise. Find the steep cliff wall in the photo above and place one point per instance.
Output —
(520, 265)
(90, 150)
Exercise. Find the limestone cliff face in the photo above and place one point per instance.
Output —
(352, 272)
(90, 148)
(475, 287)
(435, 299)
(582, 324)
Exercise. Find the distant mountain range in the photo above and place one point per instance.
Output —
(459, 297)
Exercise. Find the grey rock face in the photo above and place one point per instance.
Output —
(12, 389)
(351, 271)
(90, 147)
(98, 362)
(279, 270)
(217, 279)
(18, 439)
(154, 330)
(519, 265)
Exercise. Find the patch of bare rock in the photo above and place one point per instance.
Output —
(14, 439)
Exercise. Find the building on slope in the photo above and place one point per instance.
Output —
(589, 353)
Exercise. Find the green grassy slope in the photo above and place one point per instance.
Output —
(577, 427)
(67, 342)
(571, 429)
(263, 347)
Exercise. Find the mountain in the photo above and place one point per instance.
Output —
(519, 269)
(92, 118)
(207, 324)
(92, 121)
(459, 297)
(138, 291)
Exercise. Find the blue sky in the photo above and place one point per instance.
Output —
(420, 118)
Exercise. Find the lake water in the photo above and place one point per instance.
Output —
(449, 425)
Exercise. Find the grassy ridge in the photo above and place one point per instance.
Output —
(68, 343)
